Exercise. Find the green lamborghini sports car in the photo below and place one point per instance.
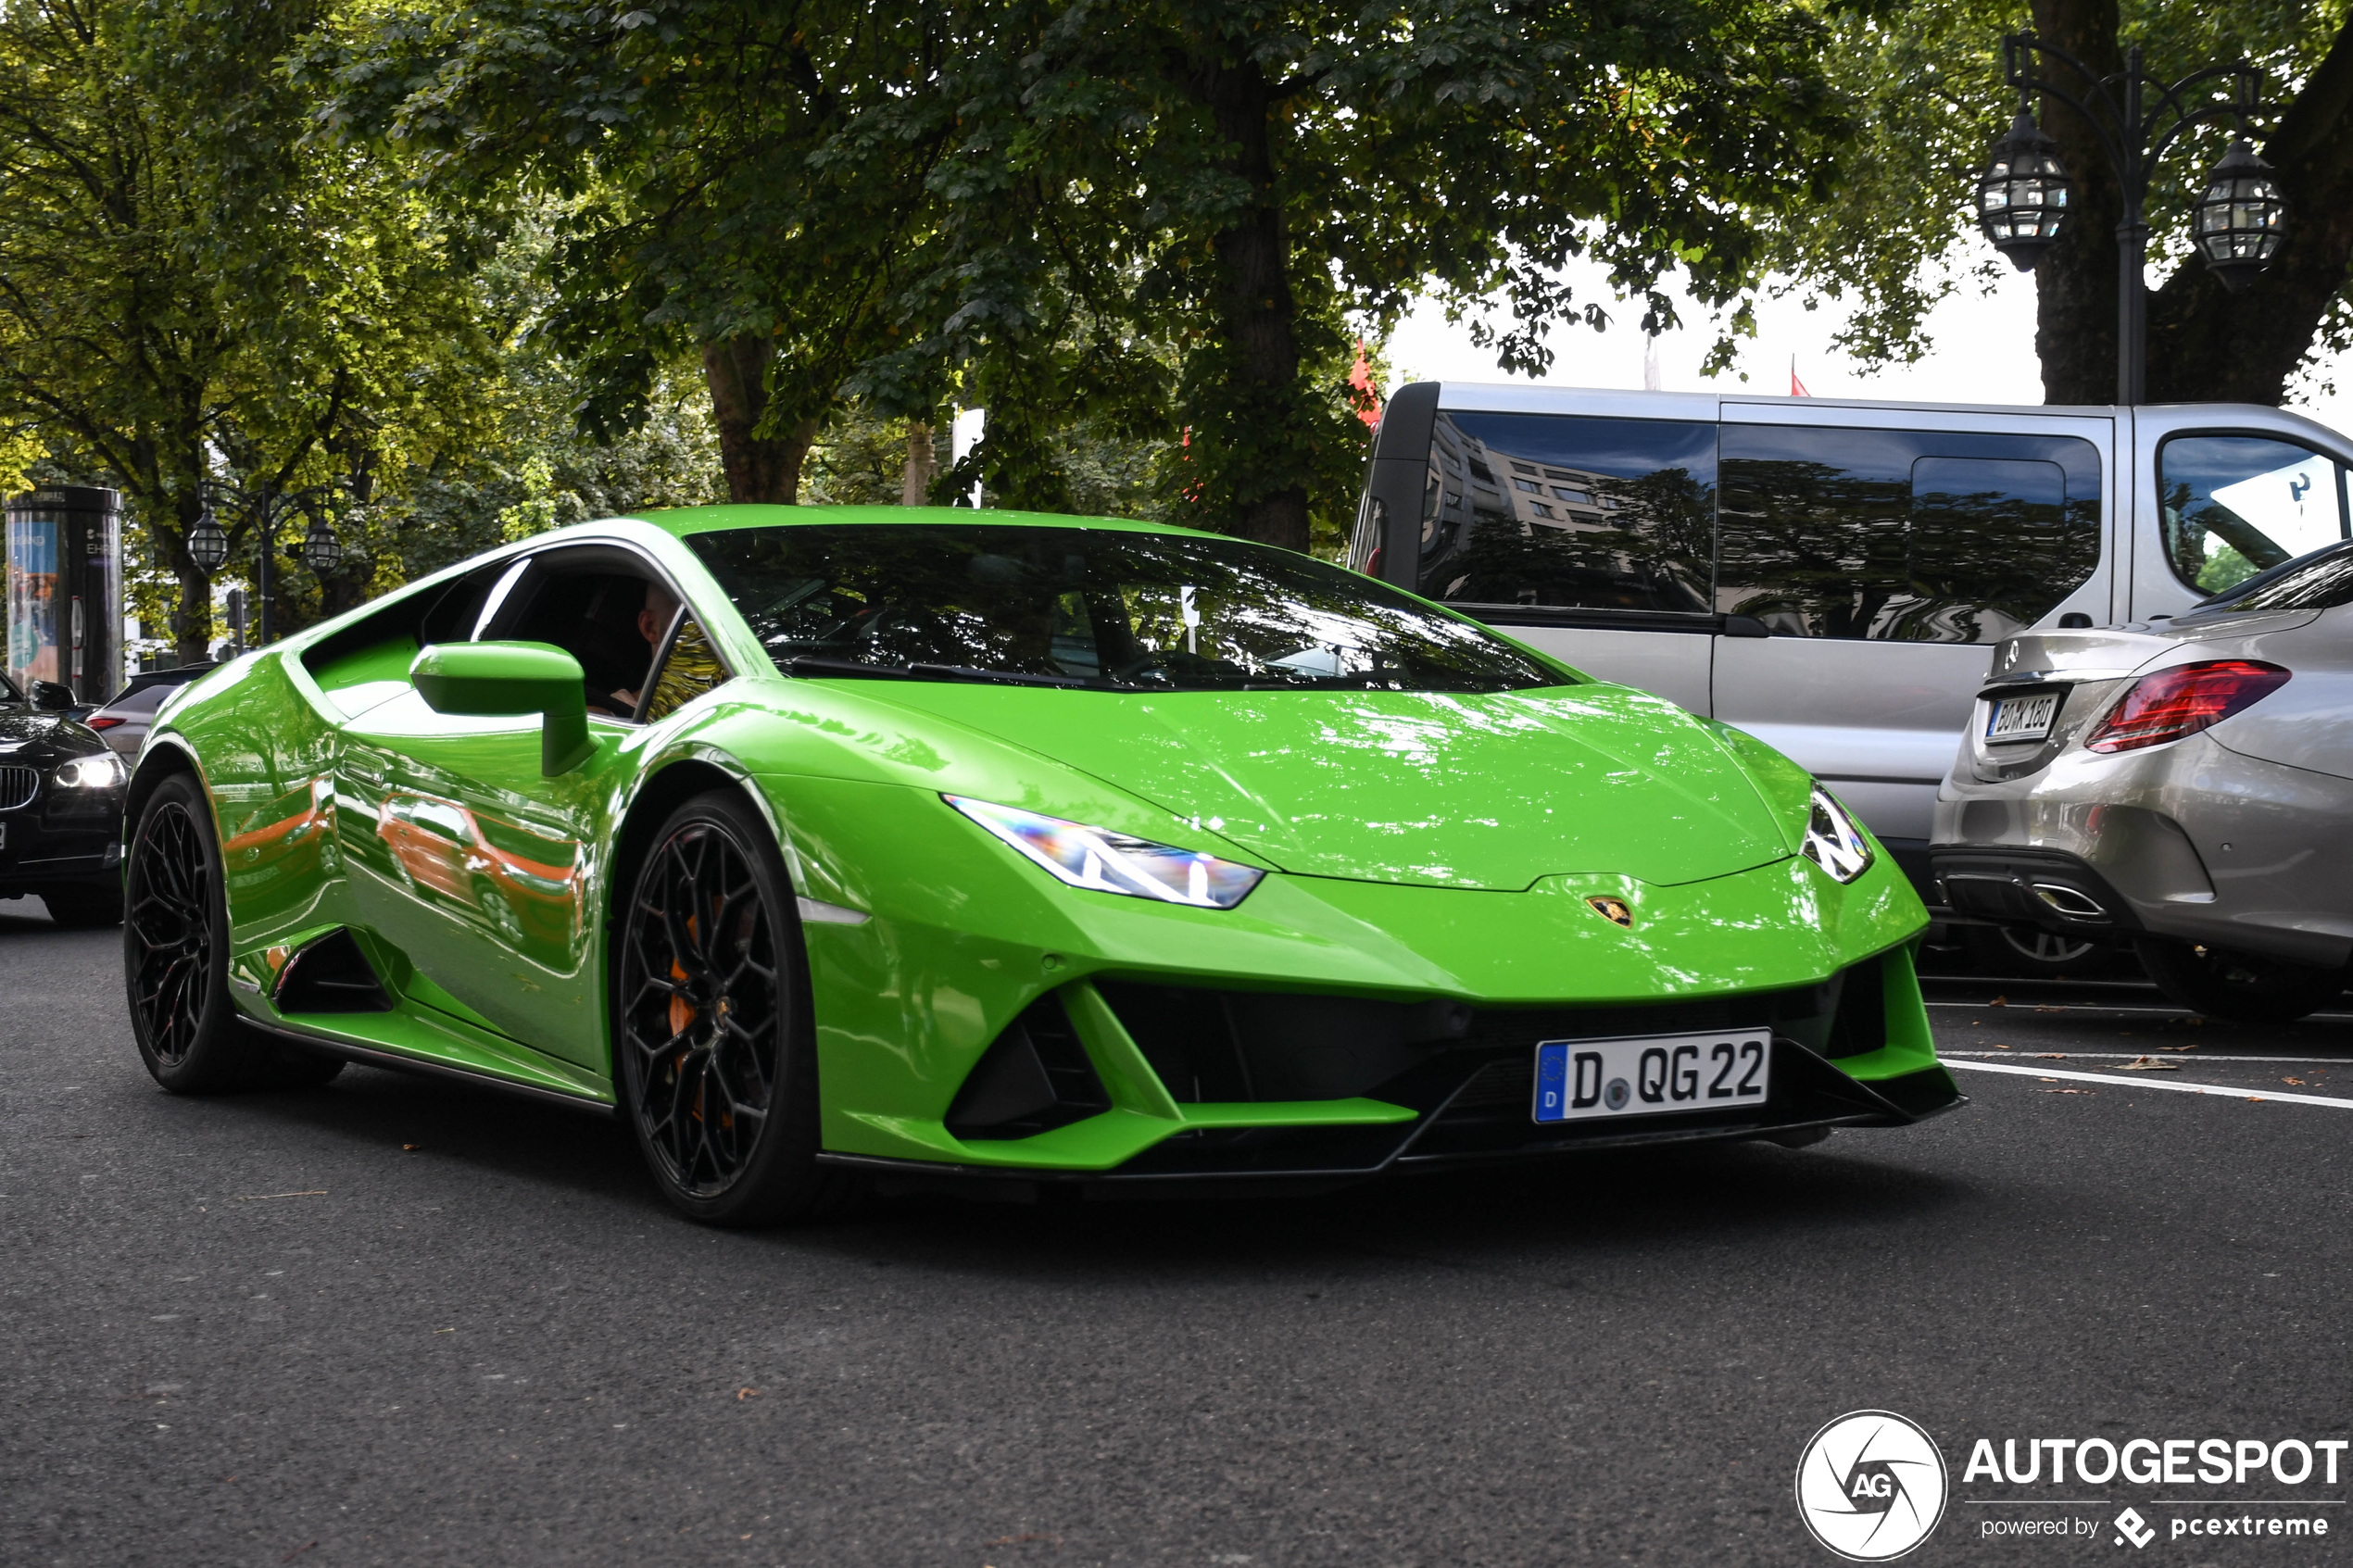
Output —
(937, 847)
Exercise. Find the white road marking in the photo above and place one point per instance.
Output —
(2106, 1007)
(2161, 1054)
(2022, 1070)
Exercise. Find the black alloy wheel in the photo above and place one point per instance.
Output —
(2244, 987)
(716, 1066)
(175, 960)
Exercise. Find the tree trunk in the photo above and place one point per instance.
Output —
(758, 468)
(923, 464)
(2208, 343)
(2205, 344)
(2075, 284)
(1267, 429)
(191, 624)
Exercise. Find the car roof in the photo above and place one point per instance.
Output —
(685, 521)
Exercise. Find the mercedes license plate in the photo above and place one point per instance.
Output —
(2024, 718)
(1651, 1074)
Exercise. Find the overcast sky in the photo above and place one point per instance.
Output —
(1984, 353)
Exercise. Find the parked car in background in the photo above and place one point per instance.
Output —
(1832, 576)
(2187, 785)
(123, 720)
(60, 807)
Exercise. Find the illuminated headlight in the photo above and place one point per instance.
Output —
(1832, 840)
(100, 770)
(1104, 861)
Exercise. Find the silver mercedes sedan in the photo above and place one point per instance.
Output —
(2184, 784)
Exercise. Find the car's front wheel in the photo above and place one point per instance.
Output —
(714, 1060)
(2244, 987)
(175, 960)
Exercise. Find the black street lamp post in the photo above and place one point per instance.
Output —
(320, 550)
(2023, 195)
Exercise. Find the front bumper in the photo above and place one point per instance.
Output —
(1142, 1087)
(45, 845)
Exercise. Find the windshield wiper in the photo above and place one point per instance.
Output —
(817, 664)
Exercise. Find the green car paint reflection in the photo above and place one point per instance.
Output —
(1433, 848)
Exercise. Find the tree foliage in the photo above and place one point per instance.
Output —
(1898, 232)
(193, 295)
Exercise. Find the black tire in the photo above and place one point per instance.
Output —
(2244, 987)
(715, 1060)
(175, 950)
(85, 905)
(2026, 952)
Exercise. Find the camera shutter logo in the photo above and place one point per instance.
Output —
(1871, 1486)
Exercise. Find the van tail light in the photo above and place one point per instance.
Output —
(2181, 701)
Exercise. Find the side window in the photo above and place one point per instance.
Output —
(1550, 510)
(2237, 505)
(605, 607)
(1903, 535)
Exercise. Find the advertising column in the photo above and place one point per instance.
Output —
(64, 563)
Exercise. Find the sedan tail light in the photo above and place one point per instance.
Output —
(2181, 701)
(103, 721)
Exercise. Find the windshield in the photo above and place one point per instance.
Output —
(2321, 580)
(1087, 607)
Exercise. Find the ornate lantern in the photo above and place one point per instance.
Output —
(2022, 198)
(2239, 221)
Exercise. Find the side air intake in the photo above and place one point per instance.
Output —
(330, 974)
(1035, 1078)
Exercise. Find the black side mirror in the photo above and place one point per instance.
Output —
(50, 696)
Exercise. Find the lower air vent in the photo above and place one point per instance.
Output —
(330, 974)
(1033, 1079)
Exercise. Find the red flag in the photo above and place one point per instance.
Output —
(1796, 387)
(1363, 394)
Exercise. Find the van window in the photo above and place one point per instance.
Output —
(2237, 505)
(1902, 536)
(1549, 509)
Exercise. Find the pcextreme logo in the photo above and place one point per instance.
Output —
(1871, 1486)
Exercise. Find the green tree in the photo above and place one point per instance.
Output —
(193, 295)
(1898, 233)
(1243, 181)
(742, 185)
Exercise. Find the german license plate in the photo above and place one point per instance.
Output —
(1651, 1074)
(2022, 718)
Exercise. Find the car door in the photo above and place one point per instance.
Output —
(483, 871)
(1883, 560)
(1586, 534)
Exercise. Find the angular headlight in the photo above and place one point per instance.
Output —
(1104, 861)
(100, 770)
(1833, 841)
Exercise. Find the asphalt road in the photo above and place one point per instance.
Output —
(394, 1322)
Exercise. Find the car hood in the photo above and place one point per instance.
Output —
(1489, 790)
(28, 736)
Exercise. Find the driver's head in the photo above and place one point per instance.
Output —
(660, 605)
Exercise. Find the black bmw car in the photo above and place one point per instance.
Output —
(60, 809)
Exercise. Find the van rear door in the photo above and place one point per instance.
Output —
(1884, 550)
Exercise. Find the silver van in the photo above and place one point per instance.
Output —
(1828, 575)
